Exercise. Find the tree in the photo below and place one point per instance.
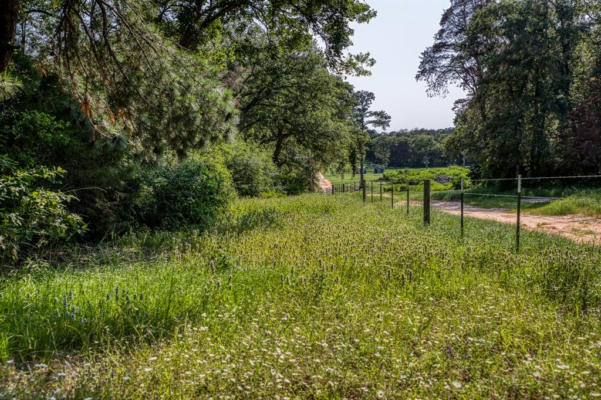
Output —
(449, 61)
(365, 120)
(294, 23)
(417, 148)
(292, 104)
(516, 61)
(9, 13)
(119, 59)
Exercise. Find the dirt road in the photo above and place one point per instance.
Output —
(579, 228)
(324, 184)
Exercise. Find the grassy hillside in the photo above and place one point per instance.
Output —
(309, 297)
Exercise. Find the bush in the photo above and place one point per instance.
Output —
(189, 194)
(41, 125)
(32, 216)
(442, 178)
(253, 171)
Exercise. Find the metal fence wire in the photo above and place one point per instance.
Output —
(377, 191)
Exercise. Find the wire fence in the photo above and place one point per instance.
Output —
(379, 190)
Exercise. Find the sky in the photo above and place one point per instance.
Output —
(396, 38)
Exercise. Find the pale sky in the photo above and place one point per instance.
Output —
(396, 38)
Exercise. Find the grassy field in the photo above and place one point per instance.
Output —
(309, 297)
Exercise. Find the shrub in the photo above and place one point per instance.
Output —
(253, 171)
(41, 125)
(442, 178)
(189, 194)
(32, 216)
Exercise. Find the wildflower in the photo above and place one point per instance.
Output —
(456, 384)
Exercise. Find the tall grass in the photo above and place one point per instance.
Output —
(310, 297)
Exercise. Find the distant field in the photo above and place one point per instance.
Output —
(409, 177)
(309, 297)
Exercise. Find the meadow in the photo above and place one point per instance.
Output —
(308, 297)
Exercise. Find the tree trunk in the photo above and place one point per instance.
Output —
(361, 171)
(277, 153)
(9, 14)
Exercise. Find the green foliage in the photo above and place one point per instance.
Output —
(253, 172)
(293, 105)
(420, 148)
(188, 194)
(573, 205)
(43, 126)
(9, 87)
(31, 215)
(442, 178)
(366, 121)
(527, 68)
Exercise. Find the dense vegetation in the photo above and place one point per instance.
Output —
(531, 72)
(313, 296)
(125, 115)
(418, 148)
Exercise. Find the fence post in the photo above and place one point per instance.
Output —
(392, 196)
(427, 202)
(364, 189)
(333, 189)
(372, 191)
(462, 194)
(343, 188)
(517, 232)
(407, 200)
(381, 195)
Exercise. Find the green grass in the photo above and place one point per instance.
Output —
(573, 205)
(310, 297)
(581, 202)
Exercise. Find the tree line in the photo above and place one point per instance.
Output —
(417, 148)
(530, 69)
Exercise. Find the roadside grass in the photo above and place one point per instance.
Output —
(577, 201)
(576, 204)
(310, 297)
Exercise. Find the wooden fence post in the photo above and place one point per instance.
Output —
(392, 196)
(517, 232)
(462, 194)
(427, 202)
(364, 189)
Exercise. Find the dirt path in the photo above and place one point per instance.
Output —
(576, 227)
(324, 184)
